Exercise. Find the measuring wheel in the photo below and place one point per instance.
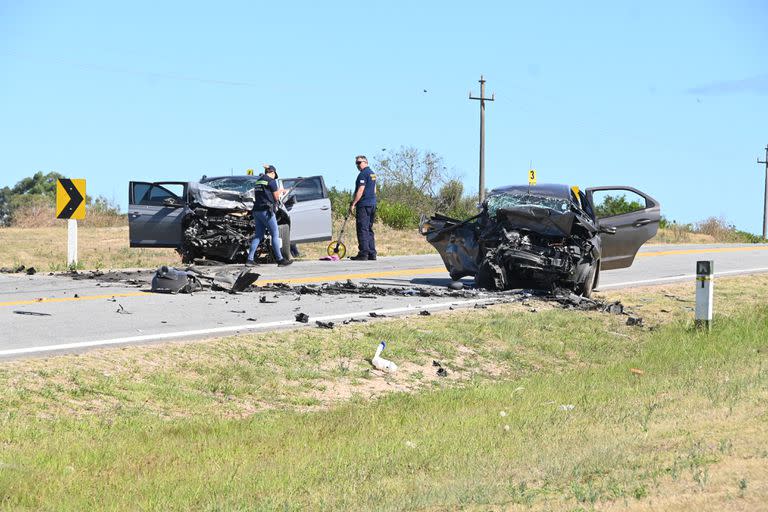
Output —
(337, 248)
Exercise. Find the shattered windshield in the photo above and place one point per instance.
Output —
(236, 183)
(498, 202)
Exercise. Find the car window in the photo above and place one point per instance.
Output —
(238, 183)
(140, 190)
(616, 202)
(154, 195)
(307, 189)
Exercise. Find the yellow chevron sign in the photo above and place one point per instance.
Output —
(70, 199)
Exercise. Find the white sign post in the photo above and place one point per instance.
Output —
(71, 242)
(705, 271)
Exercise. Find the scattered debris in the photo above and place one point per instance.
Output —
(480, 306)
(12, 270)
(380, 363)
(170, 280)
(442, 372)
(637, 371)
(77, 296)
(31, 271)
(506, 428)
(410, 444)
(324, 325)
(425, 313)
(374, 314)
(250, 319)
(302, 317)
(263, 300)
(122, 310)
(238, 311)
(503, 414)
(32, 313)
(353, 320)
(635, 320)
(567, 407)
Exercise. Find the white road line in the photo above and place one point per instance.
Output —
(234, 328)
(680, 278)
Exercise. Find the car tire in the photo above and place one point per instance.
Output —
(585, 287)
(284, 230)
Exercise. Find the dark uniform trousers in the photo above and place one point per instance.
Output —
(364, 223)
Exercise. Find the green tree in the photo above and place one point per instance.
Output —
(37, 189)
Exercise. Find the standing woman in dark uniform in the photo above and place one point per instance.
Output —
(267, 194)
(365, 202)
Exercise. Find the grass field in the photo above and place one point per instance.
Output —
(542, 410)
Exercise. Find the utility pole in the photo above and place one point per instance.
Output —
(482, 99)
(765, 197)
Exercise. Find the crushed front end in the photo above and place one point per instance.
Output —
(520, 240)
(219, 225)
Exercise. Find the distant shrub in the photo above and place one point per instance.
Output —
(340, 200)
(719, 229)
(397, 215)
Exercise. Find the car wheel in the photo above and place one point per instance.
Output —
(284, 230)
(491, 276)
(585, 287)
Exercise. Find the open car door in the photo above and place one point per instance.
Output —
(310, 209)
(635, 217)
(156, 212)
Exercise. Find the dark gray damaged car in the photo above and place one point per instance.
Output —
(545, 236)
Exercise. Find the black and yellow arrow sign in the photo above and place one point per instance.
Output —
(70, 199)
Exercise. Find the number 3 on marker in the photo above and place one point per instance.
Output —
(532, 177)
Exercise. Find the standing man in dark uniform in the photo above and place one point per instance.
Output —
(364, 201)
(267, 194)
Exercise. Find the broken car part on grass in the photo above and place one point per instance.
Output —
(544, 236)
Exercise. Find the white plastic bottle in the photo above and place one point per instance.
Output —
(383, 364)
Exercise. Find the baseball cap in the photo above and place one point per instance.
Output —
(270, 167)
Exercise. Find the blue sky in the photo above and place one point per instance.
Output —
(669, 97)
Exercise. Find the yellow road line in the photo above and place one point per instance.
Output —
(70, 299)
(701, 251)
(367, 275)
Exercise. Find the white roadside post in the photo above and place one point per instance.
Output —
(71, 242)
(705, 284)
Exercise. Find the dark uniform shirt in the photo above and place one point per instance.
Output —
(367, 179)
(264, 193)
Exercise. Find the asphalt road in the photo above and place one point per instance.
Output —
(42, 314)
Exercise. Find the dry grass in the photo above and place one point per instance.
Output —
(680, 235)
(45, 248)
(98, 248)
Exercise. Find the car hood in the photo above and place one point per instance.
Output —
(542, 220)
(222, 199)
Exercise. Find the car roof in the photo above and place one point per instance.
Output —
(544, 189)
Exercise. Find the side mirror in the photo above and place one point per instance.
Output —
(172, 202)
(608, 230)
(290, 201)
